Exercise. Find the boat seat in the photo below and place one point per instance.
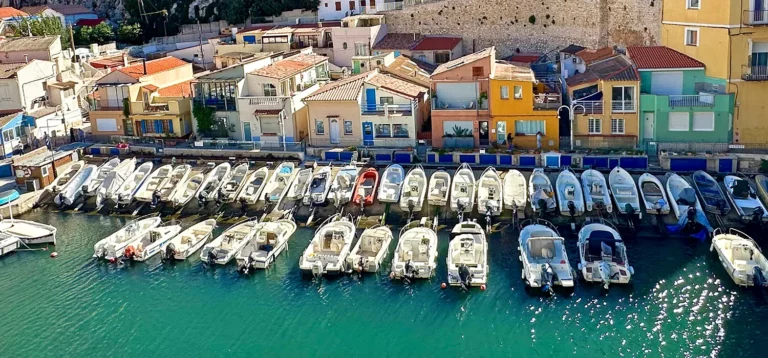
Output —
(623, 191)
(542, 249)
(570, 191)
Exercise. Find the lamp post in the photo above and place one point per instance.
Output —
(571, 111)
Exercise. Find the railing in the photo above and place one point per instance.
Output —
(156, 107)
(219, 104)
(325, 141)
(623, 106)
(461, 104)
(266, 101)
(754, 73)
(709, 147)
(385, 109)
(139, 141)
(547, 101)
(590, 107)
(755, 17)
(704, 100)
(390, 142)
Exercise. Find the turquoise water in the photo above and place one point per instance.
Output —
(681, 304)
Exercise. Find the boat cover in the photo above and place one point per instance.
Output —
(700, 231)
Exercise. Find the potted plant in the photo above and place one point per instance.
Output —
(482, 98)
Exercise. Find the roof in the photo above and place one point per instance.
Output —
(617, 68)
(8, 70)
(398, 41)
(257, 28)
(347, 89)
(8, 12)
(150, 87)
(529, 57)
(42, 112)
(34, 43)
(183, 89)
(279, 31)
(34, 10)
(479, 55)
(411, 69)
(396, 85)
(437, 43)
(7, 118)
(572, 49)
(61, 9)
(322, 24)
(155, 66)
(290, 66)
(661, 57)
(590, 55)
(237, 55)
(89, 22)
(362, 17)
(513, 72)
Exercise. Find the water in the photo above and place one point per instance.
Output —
(681, 303)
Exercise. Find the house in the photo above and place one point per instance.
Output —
(523, 106)
(37, 168)
(9, 15)
(355, 37)
(227, 59)
(574, 59)
(605, 102)
(730, 37)
(409, 69)
(24, 49)
(67, 14)
(338, 9)
(11, 127)
(252, 35)
(460, 100)
(678, 102)
(433, 49)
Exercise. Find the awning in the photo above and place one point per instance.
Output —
(267, 112)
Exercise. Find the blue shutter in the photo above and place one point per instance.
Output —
(170, 125)
(143, 127)
(158, 126)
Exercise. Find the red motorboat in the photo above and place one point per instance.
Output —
(365, 189)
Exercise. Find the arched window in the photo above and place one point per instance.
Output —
(344, 45)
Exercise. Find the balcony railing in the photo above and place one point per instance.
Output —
(590, 107)
(461, 104)
(623, 106)
(229, 104)
(156, 107)
(755, 17)
(703, 100)
(547, 101)
(385, 109)
(754, 73)
(266, 101)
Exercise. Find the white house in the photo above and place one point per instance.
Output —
(25, 49)
(338, 9)
(355, 37)
(23, 85)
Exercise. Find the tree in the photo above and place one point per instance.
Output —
(40, 26)
(100, 34)
(266, 8)
(130, 34)
(204, 116)
(232, 10)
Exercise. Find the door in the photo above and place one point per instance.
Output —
(370, 99)
(667, 83)
(128, 125)
(501, 131)
(484, 133)
(247, 132)
(367, 133)
(334, 131)
(648, 119)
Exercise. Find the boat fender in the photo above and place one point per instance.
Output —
(443, 285)
(54, 254)
(129, 251)
(482, 287)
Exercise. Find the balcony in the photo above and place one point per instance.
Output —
(755, 18)
(386, 110)
(220, 104)
(163, 108)
(272, 101)
(589, 107)
(703, 100)
(623, 106)
(547, 101)
(460, 104)
(754, 73)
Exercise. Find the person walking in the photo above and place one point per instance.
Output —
(510, 138)
(538, 140)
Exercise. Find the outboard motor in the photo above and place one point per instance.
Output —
(758, 278)
(361, 263)
(464, 276)
(317, 269)
(211, 257)
(129, 252)
(542, 205)
(155, 198)
(629, 209)
(219, 198)
(547, 277)
(61, 199)
(757, 215)
(243, 206)
(201, 200)
(170, 251)
(571, 208)
(248, 264)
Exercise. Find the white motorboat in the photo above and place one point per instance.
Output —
(515, 193)
(154, 241)
(327, 252)
(209, 189)
(391, 183)
(463, 189)
(91, 187)
(624, 192)
(73, 190)
(279, 183)
(467, 255)
(416, 252)
(186, 190)
(603, 255)
(236, 181)
(29, 232)
(744, 199)
(185, 244)
(344, 185)
(176, 182)
(269, 240)
(114, 180)
(414, 190)
(299, 185)
(596, 190)
(64, 178)
(125, 193)
(113, 246)
(439, 188)
(570, 198)
(154, 182)
(254, 185)
(8, 243)
(370, 250)
(319, 186)
(741, 258)
(544, 257)
(540, 188)
(681, 195)
(490, 194)
(652, 193)
(222, 249)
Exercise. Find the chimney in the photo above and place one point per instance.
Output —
(144, 62)
(125, 59)
(26, 58)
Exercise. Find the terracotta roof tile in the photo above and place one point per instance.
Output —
(150, 87)
(153, 67)
(530, 57)
(397, 85)
(8, 70)
(617, 68)
(182, 89)
(437, 43)
(347, 89)
(34, 10)
(290, 66)
(464, 60)
(659, 57)
(590, 55)
(9, 12)
(398, 41)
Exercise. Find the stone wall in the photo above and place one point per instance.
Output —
(534, 25)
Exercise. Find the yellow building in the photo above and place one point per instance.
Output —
(523, 106)
(605, 104)
(731, 38)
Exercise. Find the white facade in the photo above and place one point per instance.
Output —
(28, 86)
(571, 65)
(329, 10)
(355, 39)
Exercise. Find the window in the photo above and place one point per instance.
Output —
(362, 3)
(106, 124)
(269, 126)
(617, 126)
(44, 171)
(8, 135)
(351, 5)
(422, 58)
(759, 55)
(595, 126)
(383, 130)
(477, 71)
(326, 4)
(584, 92)
(442, 57)
(386, 100)
(518, 92)
(361, 49)
(691, 36)
(362, 64)
(269, 90)
(504, 92)
(622, 98)
(344, 45)
(529, 127)
(275, 40)
(373, 3)
(319, 126)
(348, 127)
(704, 121)
(400, 130)
(338, 6)
(693, 4)
(678, 121)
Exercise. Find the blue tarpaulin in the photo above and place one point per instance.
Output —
(682, 224)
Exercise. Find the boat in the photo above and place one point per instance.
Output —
(541, 194)
(186, 190)
(463, 189)
(544, 257)
(414, 190)
(209, 188)
(299, 185)
(741, 257)
(416, 252)
(30, 232)
(391, 183)
(603, 255)
(365, 190)
(236, 182)
(681, 195)
(152, 242)
(73, 190)
(8, 243)
(714, 200)
(624, 192)
(439, 188)
(279, 182)
(176, 182)
(254, 185)
(515, 193)
(744, 198)
(91, 187)
(113, 246)
(652, 193)
(114, 180)
(125, 193)
(63, 179)
(343, 185)
(467, 258)
(154, 182)
(269, 240)
(185, 244)
(327, 252)
(319, 186)
(490, 194)
(570, 198)
(222, 249)
(371, 249)
(762, 187)
(596, 191)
